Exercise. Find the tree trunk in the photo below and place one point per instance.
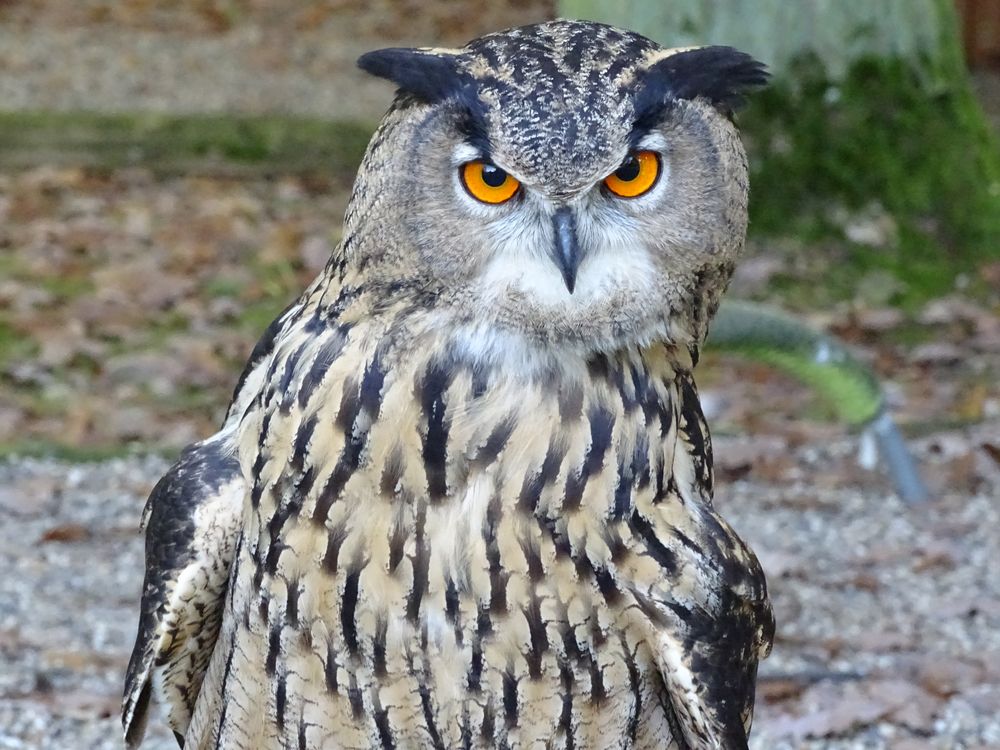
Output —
(870, 114)
(778, 31)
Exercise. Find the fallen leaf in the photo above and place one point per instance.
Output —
(68, 532)
(993, 451)
(879, 319)
(944, 675)
(936, 353)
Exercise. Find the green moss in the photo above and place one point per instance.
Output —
(886, 136)
(66, 287)
(187, 399)
(40, 404)
(79, 454)
(278, 279)
(257, 316)
(165, 326)
(182, 142)
(222, 287)
(15, 346)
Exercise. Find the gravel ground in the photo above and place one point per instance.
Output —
(73, 562)
(888, 617)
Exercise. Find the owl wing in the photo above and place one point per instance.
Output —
(709, 667)
(709, 659)
(192, 521)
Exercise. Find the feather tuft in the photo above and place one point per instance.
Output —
(721, 75)
(428, 75)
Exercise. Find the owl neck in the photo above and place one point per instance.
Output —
(412, 316)
(451, 409)
(502, 356)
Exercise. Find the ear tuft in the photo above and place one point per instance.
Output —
(431, 76)
(722, 75)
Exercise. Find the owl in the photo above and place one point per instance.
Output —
(462, 496)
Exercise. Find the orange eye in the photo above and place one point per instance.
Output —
(488, 183)
(637, 174)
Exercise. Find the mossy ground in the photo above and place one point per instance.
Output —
(886, 138)
(182, 143)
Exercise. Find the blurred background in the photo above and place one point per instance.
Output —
(172, 174)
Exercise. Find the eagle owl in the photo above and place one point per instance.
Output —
(463, 494)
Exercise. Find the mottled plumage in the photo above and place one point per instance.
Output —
(455, 504)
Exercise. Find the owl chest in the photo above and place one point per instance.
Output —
(481, 493)
(492, 615)
(434, 488)
(469, 548)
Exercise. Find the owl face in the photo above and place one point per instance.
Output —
(569, 182)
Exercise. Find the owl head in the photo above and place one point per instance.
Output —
(567, 184)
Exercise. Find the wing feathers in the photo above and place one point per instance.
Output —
(193, 514)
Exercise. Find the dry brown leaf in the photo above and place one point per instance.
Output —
(944, 675)
(67, 532)
(937, 353)
(879, 319)
(993, 451)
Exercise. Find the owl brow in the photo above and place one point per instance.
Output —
(721, 75)
(472, 120)
(647, 120)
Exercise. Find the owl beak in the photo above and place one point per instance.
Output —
(566, 252)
